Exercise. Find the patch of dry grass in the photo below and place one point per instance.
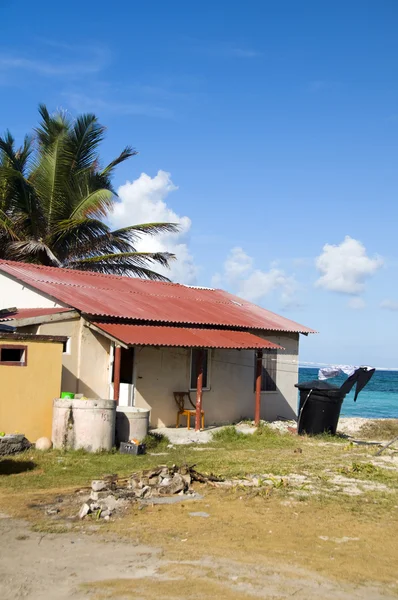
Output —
(243, 524)
(381, 429)
(241, 529)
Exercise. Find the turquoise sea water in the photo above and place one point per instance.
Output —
(379, 399)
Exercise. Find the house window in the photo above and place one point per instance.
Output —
(66, 346)
(194, 369)
(268, 375)
(14, 356)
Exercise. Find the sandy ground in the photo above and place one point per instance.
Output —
(88, 565)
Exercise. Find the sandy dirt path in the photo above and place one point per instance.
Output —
(87, 565)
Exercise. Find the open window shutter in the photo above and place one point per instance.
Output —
(268, 379)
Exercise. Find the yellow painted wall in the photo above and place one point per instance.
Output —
(27, 393)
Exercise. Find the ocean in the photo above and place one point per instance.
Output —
(378, 400)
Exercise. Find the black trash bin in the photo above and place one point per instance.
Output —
(320, 401)
(319, 407)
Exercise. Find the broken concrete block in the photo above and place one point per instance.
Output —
(143, 492)
(187, 478)
(99, 495)
(164, 472)
(134, 483)
(166, 481)
(110, 502)
(99, 484)
(85, 509)
(177, 484)
(105, 513)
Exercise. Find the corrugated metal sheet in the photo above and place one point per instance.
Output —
(25, 313)
(188, 337)
(133, 298)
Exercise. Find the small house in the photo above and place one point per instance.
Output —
(140, 341)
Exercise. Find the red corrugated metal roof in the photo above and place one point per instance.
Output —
(25, 313)
(188, 337)
(133, 298)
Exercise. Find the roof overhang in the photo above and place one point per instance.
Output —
(23, 317)
(31, 337)
(183, 337)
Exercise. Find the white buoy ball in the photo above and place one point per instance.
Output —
(44, 443)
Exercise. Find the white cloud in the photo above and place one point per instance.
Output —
(238, 263)
(356, 303)
(143, 201)
(346, 267)
(389, 305)
(86, 103)
(69, 61)
(254, 284)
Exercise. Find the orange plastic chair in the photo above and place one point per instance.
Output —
(179, 397)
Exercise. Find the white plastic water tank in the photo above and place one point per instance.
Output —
(88, 424)
(131, 423)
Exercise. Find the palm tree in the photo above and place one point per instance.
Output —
(55, 198)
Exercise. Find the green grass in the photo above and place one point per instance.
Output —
(232, 454)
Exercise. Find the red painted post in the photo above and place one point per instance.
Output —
(199, 389)
(116, 373)
(259, 369)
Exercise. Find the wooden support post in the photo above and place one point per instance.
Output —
(199, 388)
(116, 373)
(259, 370)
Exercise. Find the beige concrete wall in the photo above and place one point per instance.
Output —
(283, 402)
(85, 369)
(70, 367)
(27, 393)
(162, 371)
(94, 364)
(13, 293)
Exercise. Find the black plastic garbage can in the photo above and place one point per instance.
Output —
(319, 407)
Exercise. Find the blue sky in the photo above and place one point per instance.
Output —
(269, 129)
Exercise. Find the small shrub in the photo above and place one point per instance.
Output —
(228, 434)
(155, 441)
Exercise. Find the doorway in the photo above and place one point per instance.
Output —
(126, 395)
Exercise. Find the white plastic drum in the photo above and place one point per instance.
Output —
(131, 423)
(88, 424)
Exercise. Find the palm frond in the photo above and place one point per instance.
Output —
(51, 126)
(51, 182)
(54, 199)
(129, 263)
(134, 232)
(7, 228)
(95, 203)
(74, 238)
(84, 138)
(125, 154)
(35, 251)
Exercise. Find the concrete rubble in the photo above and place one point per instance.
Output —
(110, 494)
(13, 444)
